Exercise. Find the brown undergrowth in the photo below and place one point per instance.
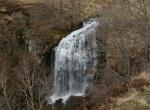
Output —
(133, 95)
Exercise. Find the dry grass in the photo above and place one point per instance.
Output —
(144, 75)
(141, 81)
(31, 1)
(136, 99)
(133, 96)
(130, 96)
(118, 91)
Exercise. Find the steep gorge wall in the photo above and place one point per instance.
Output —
(44, 25)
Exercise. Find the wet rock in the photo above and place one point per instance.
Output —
(72, 103)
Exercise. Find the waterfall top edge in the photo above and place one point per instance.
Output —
(92, 23)
(87, 25)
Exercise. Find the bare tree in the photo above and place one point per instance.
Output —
(43, 89)
(27, 77)
(76, 7)
(52, 5)
(36, 84)
(139, 10)
(61, 6)
(4, 85)
(125, 56)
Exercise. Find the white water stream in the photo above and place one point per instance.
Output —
(75, 59)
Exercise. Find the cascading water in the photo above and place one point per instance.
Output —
(75, 60)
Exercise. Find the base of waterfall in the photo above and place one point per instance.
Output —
(53, 99)
(71, 102)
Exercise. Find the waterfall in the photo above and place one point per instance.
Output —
(75, 60)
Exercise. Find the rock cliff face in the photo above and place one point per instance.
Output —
(42, 29)
(68, 17)
(35, 26)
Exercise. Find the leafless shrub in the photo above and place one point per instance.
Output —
(139, 84)
(139, 11)
(36, 84)
(4, 85)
